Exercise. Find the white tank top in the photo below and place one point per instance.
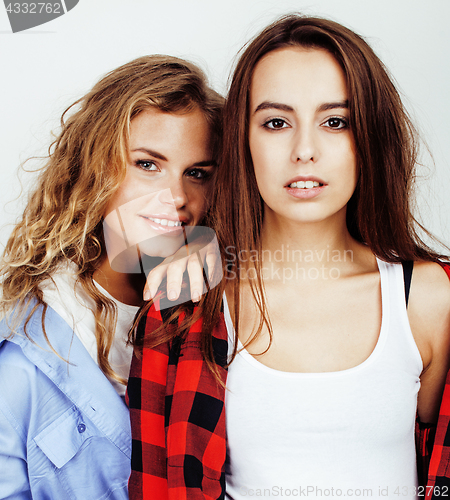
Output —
(332, 434)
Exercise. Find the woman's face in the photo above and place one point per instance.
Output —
(301, 146)
(166, 184)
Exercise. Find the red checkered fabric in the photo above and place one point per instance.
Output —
(177, 417)
(438, 456)
(178, 422)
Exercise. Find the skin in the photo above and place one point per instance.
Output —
(298, 129)
(167, 178)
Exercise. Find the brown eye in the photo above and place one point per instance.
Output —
(199, 174)
(275, 124)
(336, 123)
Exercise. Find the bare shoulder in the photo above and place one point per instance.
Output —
(429, 317)
(429, 310)
(430, 290)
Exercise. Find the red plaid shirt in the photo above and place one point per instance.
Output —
(438, 454)
(177, 414)
(177, 411)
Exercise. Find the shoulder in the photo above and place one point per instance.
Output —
(27, 356)
(25, 325)
(14, 365)
(18, 364)
(429, 308)
(430, 289)
(429, 317)
(17, 396)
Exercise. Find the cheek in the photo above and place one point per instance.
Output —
(116, 201)
(199, 197)
(261, 158)
(265, 168)
(125, 193)
(352, 169)
(268, 150)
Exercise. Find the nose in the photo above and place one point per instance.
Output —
(304, 147)
(175, 194)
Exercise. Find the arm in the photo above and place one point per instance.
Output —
(14, 483)
(430, 441)
(14, 480)
(429, 315)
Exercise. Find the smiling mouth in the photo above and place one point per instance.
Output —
(166, 222)
(165, 226)
(305, 184)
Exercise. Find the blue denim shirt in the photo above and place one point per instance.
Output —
(64, 431)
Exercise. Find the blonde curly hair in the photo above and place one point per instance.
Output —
(85, 167)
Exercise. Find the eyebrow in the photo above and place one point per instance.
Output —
(273, 105)
(333, 105)
(150, 152)
(285, 107)
(155, 154)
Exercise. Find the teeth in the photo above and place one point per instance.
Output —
(166, 222)
(304, 184)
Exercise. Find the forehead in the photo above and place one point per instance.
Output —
(292, 73)
(170, 130)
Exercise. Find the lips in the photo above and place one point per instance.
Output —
(305, 182)
(164, 223)
(305, 187)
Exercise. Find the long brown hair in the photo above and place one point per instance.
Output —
(86, 165)
(378, 214)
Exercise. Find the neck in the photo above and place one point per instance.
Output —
(126, 287)
(311, 244)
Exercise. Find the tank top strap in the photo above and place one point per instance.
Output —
(395, 316)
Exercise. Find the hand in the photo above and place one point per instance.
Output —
(199, 256)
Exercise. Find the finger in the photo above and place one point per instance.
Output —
(212, 261)
(195, 271)
(154, 280)
(175, 273)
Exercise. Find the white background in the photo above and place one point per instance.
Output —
(45, 69)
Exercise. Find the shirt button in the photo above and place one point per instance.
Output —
(81, 428)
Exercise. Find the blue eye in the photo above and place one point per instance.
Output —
(336, 123)
(275, 124)
(147, 165)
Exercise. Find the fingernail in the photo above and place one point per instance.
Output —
(149, 293)
(195, 297)
(172, 294)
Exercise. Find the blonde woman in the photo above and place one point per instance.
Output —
(130, 168)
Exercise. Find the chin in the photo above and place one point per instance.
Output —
(160, 246)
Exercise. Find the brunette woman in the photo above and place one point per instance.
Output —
(332, 348)
(130, 169)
